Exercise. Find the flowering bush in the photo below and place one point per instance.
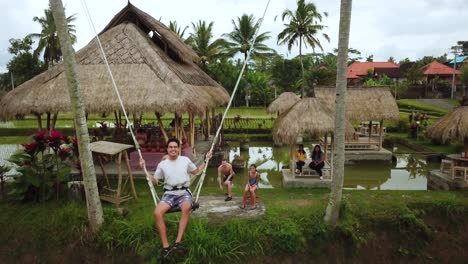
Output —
(43, 165)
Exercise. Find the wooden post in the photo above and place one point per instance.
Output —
(130, 175)
(370, 130)
(119, 185)
(48, 121)
(380, 134)
(325, 146)
(39, 120)
(332, 150)
(293, 158)
(161, 126)
(54, 120)
(207, 120)
(192, 129)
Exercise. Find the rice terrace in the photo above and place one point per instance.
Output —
(296, 131)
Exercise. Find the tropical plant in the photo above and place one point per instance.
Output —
(3, 171)
(173, 26)
(464, 79)
(24, 65)
(200, 41)
(240, 39)
(259, 85)
(48, 38)
(93, 202)
(43, 165)
(332, 212)
(303, 26)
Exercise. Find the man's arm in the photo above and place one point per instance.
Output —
(231, 173)
(143, 166)
(200, 168)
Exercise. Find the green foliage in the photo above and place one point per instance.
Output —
(43, 166)
(23, 66)
(201, 42)
(416, 105)
(174, 27)
(240, 39)
(261, 91)
(302, 25)
(382, 81)
(48, 38)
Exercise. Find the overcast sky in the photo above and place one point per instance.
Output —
(384, 28)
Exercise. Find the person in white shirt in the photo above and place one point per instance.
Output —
(175, 171)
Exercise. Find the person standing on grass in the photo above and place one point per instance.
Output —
(253, 178)
(175, 171)
(226, 170)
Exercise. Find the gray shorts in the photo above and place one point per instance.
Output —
(176, 200)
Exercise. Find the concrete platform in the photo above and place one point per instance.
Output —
(289, 180)
(438, 180)
(216, 207)
(354, 156)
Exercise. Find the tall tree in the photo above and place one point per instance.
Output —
(334, 202)
(173, 26)
(240, 39)
(93, 201)
(303, 26)
(24, 65)
(200, 41)
(48, 38)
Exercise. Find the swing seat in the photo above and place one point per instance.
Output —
(176, 209)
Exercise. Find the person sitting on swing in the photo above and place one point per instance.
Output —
(175, 171)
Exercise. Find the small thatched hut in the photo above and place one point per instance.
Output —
(283, 103)
(363, 104)
(153, 69)
(454, 125)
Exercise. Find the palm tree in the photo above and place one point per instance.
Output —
(334, 202)
(48, 38)
(178, 30)
(93, 201)
(303, 27)
(200, 40)
(240, 39)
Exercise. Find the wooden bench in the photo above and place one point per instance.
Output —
(463, 170)
(447, 162)
(308, 172)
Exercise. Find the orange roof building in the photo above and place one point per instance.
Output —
(437, 68)
(360, 69)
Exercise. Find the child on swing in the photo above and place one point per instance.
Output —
(253, 178)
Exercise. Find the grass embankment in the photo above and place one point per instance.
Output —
(392, 225)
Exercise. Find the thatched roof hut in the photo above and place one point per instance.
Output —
(363, 104)
(307, 116)
(454, 125)
(153, 69)
(283, 102)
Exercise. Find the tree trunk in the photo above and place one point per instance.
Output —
(302, 69)
(93, 201)
(333, 207)
(54, 120)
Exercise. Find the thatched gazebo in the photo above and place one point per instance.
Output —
(154, 71)
(454, 125)
(283, 103)
(363, 104)
(305, 117)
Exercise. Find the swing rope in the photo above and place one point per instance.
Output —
(202, 177)
(130, 125)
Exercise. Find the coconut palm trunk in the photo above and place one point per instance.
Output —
(333, 207)
(93, 201)
(302, 67)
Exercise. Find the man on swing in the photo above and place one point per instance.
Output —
(175, 171)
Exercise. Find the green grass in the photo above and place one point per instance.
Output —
(14, 140)
(416, 105)
(293, 224)
(454, 147)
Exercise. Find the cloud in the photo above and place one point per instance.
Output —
(398, 28)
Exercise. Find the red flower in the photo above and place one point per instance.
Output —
(54, 135)
(30, 146)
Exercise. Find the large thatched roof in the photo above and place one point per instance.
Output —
(363, 104)
(152, 74)
(283, 102)
(454, 125)
(307, 116)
